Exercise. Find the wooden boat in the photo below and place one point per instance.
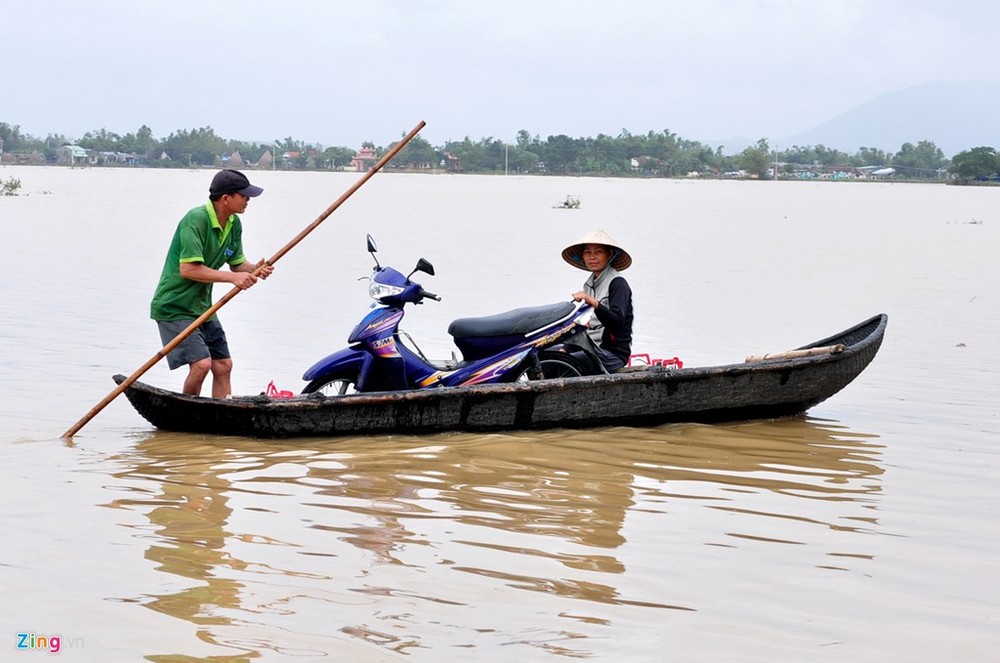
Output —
(764, 387)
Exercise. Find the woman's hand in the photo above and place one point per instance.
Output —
(581, 296)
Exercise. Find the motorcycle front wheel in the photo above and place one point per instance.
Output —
(553, 365)
(331, 386)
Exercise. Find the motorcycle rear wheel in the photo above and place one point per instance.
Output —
(331, 386)
(554, 365)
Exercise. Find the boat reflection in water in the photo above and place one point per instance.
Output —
(308, 546)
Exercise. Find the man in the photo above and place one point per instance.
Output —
(208, 237)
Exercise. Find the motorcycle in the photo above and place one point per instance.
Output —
(523, 344)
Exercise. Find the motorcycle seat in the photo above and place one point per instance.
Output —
(519, 321)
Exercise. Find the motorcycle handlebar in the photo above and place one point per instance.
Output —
(429, 295)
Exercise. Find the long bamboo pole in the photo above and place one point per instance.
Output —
(794, 354)
(235, 291)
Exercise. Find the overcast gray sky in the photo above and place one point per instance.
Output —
(339, 73)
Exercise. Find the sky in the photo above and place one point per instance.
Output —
(335, 73)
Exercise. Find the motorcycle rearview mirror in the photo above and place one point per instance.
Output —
(422, 266)
(372, 249)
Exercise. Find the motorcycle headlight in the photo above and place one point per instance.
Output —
(378, 290)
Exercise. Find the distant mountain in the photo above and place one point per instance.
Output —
(954, 116)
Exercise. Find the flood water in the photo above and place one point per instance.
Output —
(867, 530)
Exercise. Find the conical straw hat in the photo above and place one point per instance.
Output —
(573, 254)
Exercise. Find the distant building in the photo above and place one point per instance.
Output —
(287, 158)
(72, 155)
(364, 159)
(451, 163)
(233, 160)
(114, 158)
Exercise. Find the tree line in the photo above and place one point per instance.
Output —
(654, 154)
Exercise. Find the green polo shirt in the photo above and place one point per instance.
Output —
(199, 238)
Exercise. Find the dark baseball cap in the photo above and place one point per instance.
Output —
(233, 181)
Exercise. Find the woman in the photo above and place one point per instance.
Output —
(607, 292)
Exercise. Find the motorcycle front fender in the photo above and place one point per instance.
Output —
(350, 362)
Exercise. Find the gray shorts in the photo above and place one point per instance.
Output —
(208, 340)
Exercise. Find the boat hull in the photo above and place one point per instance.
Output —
(754, 390)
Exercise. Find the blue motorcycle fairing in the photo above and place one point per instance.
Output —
(389, 276)
(491, 369)
(376, 323)
(353, 362)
